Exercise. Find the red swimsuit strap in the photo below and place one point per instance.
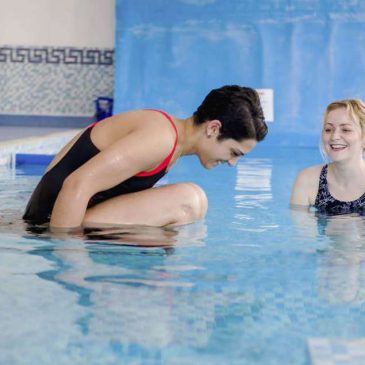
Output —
(167, 160)
(93, 124)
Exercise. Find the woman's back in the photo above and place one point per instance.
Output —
(83, 148)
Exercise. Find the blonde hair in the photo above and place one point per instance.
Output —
(355, 109)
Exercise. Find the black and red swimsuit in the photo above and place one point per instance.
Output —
(40, 205)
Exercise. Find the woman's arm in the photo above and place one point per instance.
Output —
(299, 194)
(140, 150)
(305, 187)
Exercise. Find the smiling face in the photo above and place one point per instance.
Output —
(226, 151)
(214, 151)
(342, 137)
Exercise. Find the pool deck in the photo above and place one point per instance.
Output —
(32, 140)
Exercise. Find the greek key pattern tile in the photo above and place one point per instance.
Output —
(56, 82)
(68, 55)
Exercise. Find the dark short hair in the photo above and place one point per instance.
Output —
(238, 109)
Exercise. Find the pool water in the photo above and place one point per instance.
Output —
(253, 283)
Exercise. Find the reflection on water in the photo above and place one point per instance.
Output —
(131, 299)
(341, 271)
(252, 191)
(254, 175)
(252, 291)
(149, 302)
(341, 260)
(128, 235)
(113, 299)
(253, 183)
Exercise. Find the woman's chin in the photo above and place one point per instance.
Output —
(209, 165)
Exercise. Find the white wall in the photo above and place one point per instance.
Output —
(56, 56)
(71, 23)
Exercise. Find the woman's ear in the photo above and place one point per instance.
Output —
(213, 128)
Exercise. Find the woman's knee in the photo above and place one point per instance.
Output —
(194, 202)
(169, 204)
(201, 206)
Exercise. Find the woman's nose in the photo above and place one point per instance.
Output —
(335, 134)
(232, 162)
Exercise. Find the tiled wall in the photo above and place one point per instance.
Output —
(53, 81)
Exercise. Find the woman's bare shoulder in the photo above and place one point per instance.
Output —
(147, 124)
(155, 124)
(310, 173)
(143, 116)
(306, 186)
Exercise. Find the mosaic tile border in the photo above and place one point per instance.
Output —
(57, 55)
(53, 81)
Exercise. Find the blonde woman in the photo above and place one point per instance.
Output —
(339, 186)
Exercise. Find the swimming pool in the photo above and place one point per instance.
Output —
(255, 283)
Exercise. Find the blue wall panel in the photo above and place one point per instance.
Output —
(169, 54)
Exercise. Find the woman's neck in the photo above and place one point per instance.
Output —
(189, 135)
(346, 172)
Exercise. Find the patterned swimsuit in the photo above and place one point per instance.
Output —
(326, 203)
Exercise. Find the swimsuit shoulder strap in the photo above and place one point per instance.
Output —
(167, 160)
(322, 186)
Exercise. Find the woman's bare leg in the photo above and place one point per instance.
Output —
(165, 205)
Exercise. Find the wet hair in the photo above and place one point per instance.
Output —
(239, 111)
(355, 109)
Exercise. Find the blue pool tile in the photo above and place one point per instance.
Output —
(325, 351)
